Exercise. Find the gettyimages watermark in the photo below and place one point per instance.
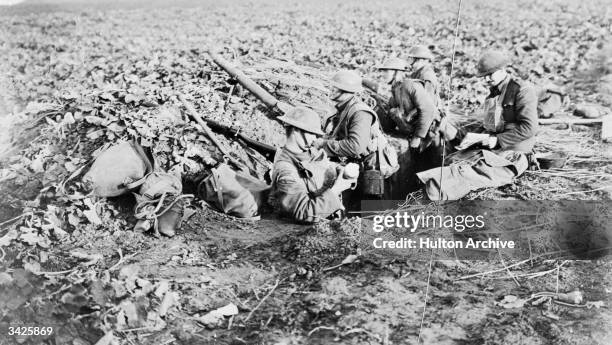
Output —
(478, 230)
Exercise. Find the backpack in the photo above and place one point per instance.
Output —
(234, 193)
(551, 99)
(158, 183)
(160, 204)
(118, 169)
(388, 162)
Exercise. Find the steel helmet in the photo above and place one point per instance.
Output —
(304, 119)
(420, 52)
(394, 64)
(348, 81)
(490, 62)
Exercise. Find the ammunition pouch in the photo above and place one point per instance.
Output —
(233, 193)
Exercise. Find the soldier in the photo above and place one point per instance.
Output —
(353, 122)
(305, 184)
(420, 66)
(412, 108)
(356, 137)
(510, 110)
(510, 124)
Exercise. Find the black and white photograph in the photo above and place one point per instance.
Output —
(387, 172)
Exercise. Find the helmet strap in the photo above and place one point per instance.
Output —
(396, 75)
(343, 98)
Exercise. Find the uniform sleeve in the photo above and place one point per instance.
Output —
(293, 198)
(426, 109)
(392, 101)
(357, 140)
(526, 119)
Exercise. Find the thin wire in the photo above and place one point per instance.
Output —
(450, 85)
(450, 90)
(426, 295)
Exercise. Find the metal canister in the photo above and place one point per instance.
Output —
(373, 182)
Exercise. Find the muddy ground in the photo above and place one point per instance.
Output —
(96, 281)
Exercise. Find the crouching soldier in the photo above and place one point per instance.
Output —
(420, 68)
(305, 185)
(413, 111)
(510, 123)
(356, 137)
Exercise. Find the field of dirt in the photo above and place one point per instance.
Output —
(77, 76)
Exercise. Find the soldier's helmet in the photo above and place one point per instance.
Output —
(348, 81)
(490, 62)
(420, 52)
(304, 119)
(394, 63)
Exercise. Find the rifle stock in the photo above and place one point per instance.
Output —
(372, 86)
(266, 150)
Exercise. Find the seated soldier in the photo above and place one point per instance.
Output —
(510, 123)
(305, 185)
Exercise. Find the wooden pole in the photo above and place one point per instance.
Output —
(606, 124)
(571, 121)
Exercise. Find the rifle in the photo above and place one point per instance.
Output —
(263, 95)
(266, 150)
(372, 86)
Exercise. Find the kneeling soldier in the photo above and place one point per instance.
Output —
(413, 110)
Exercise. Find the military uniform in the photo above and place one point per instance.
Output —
(301, 185)
(355, 138)
(513, 114)
(417, 111)
(431, 84)
(354, 135)
(417, 116)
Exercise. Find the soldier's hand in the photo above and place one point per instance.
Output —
(395, 112)
(472, 139)
(318, 143)
(342, 183)
(415, 142)
(491, 141)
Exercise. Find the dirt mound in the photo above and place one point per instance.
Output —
(105, 76)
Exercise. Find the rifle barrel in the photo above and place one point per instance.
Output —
(245, 81)
(267, 150)
(370, 84)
